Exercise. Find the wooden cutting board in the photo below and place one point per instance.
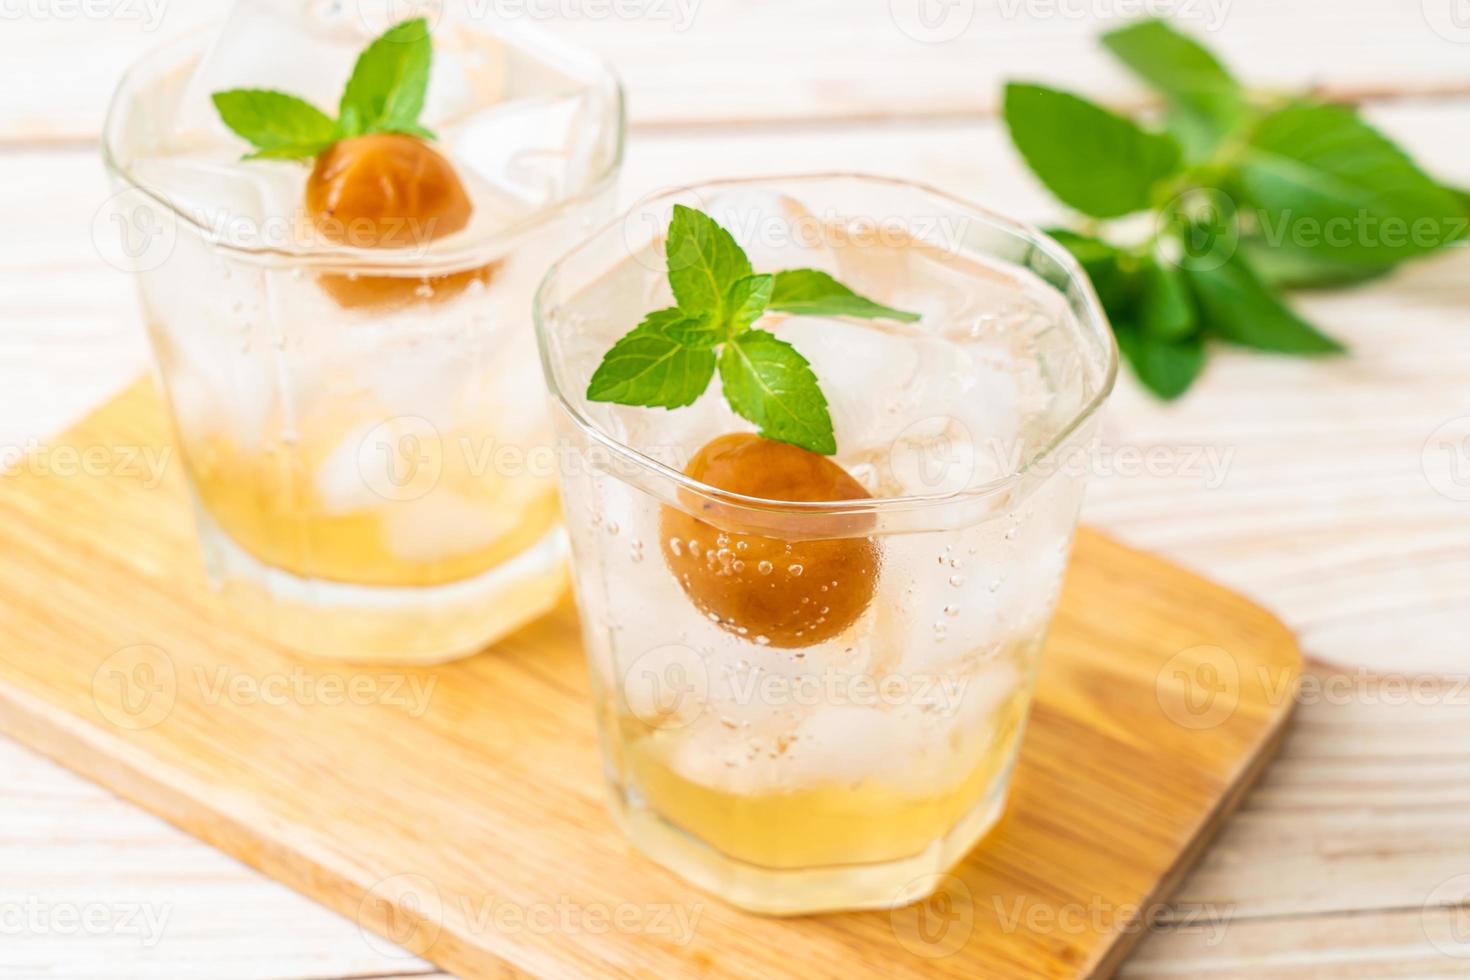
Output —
(459, 810)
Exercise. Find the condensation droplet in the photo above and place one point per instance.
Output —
(957, 580)
(676, 546)
(951, 611)
(612, 527)
(795, 570)
(765, 568)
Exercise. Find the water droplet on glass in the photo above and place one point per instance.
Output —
(795, 570)
(612, 527)
(957, 580)
(951, 611)
(765, 568)
(676, 546)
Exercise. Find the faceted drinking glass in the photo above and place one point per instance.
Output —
(364, 429)
(846, 763)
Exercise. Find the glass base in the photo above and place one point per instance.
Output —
(370, 624)
(772, 891)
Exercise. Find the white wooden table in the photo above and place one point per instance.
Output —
(1325, 510)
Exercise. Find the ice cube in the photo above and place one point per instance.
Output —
(923, 414)
(534, 150)
(305, 49)
(777, 231)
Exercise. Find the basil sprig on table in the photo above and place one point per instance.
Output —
(1249, 195)
(385, 94)
(669, 359)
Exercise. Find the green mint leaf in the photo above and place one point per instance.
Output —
(1093, 160)
(1165, 308)
(1206, 103)
(1165, 367)
(649, 367)
(1294, 269)
(768, 382)
(704, 262)
(1327, 183)
(747, 300)
(279, 126)
(1104, 264)
(696, 332)
(808, 291)
(388, 83)
(1237, 306)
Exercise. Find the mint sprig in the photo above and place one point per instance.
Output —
(668, 360)
(385, 94)
(1249, 195)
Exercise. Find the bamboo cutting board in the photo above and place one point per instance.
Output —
(459, 810)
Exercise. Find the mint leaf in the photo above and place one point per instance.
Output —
(649, 367)
(386, 91)
(704, 262)
(1293, 269)
(1103, 263)
(1206, 103)
(1329, 184)
(1165, 367)
(690, 331)
(815, 293)
(769, 383)
(747, 300)
(1236, 305)
(1165, 307)
(1093, 160)
(279, 126)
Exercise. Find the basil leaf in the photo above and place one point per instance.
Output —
(388, 83)
(768, 382)
(1327, 183)
(1206, 103)
(649, 367)
(1237, 306)
(809, 291)
(704, 262)
(1093, 160)
(279, 126)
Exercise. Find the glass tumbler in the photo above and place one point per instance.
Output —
(364, 430)
(844, 766)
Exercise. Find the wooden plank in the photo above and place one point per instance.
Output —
(1321, 892)
(471, 810)
(702, 62)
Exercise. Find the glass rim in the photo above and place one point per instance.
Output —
(1095, 319)
(369, 259)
